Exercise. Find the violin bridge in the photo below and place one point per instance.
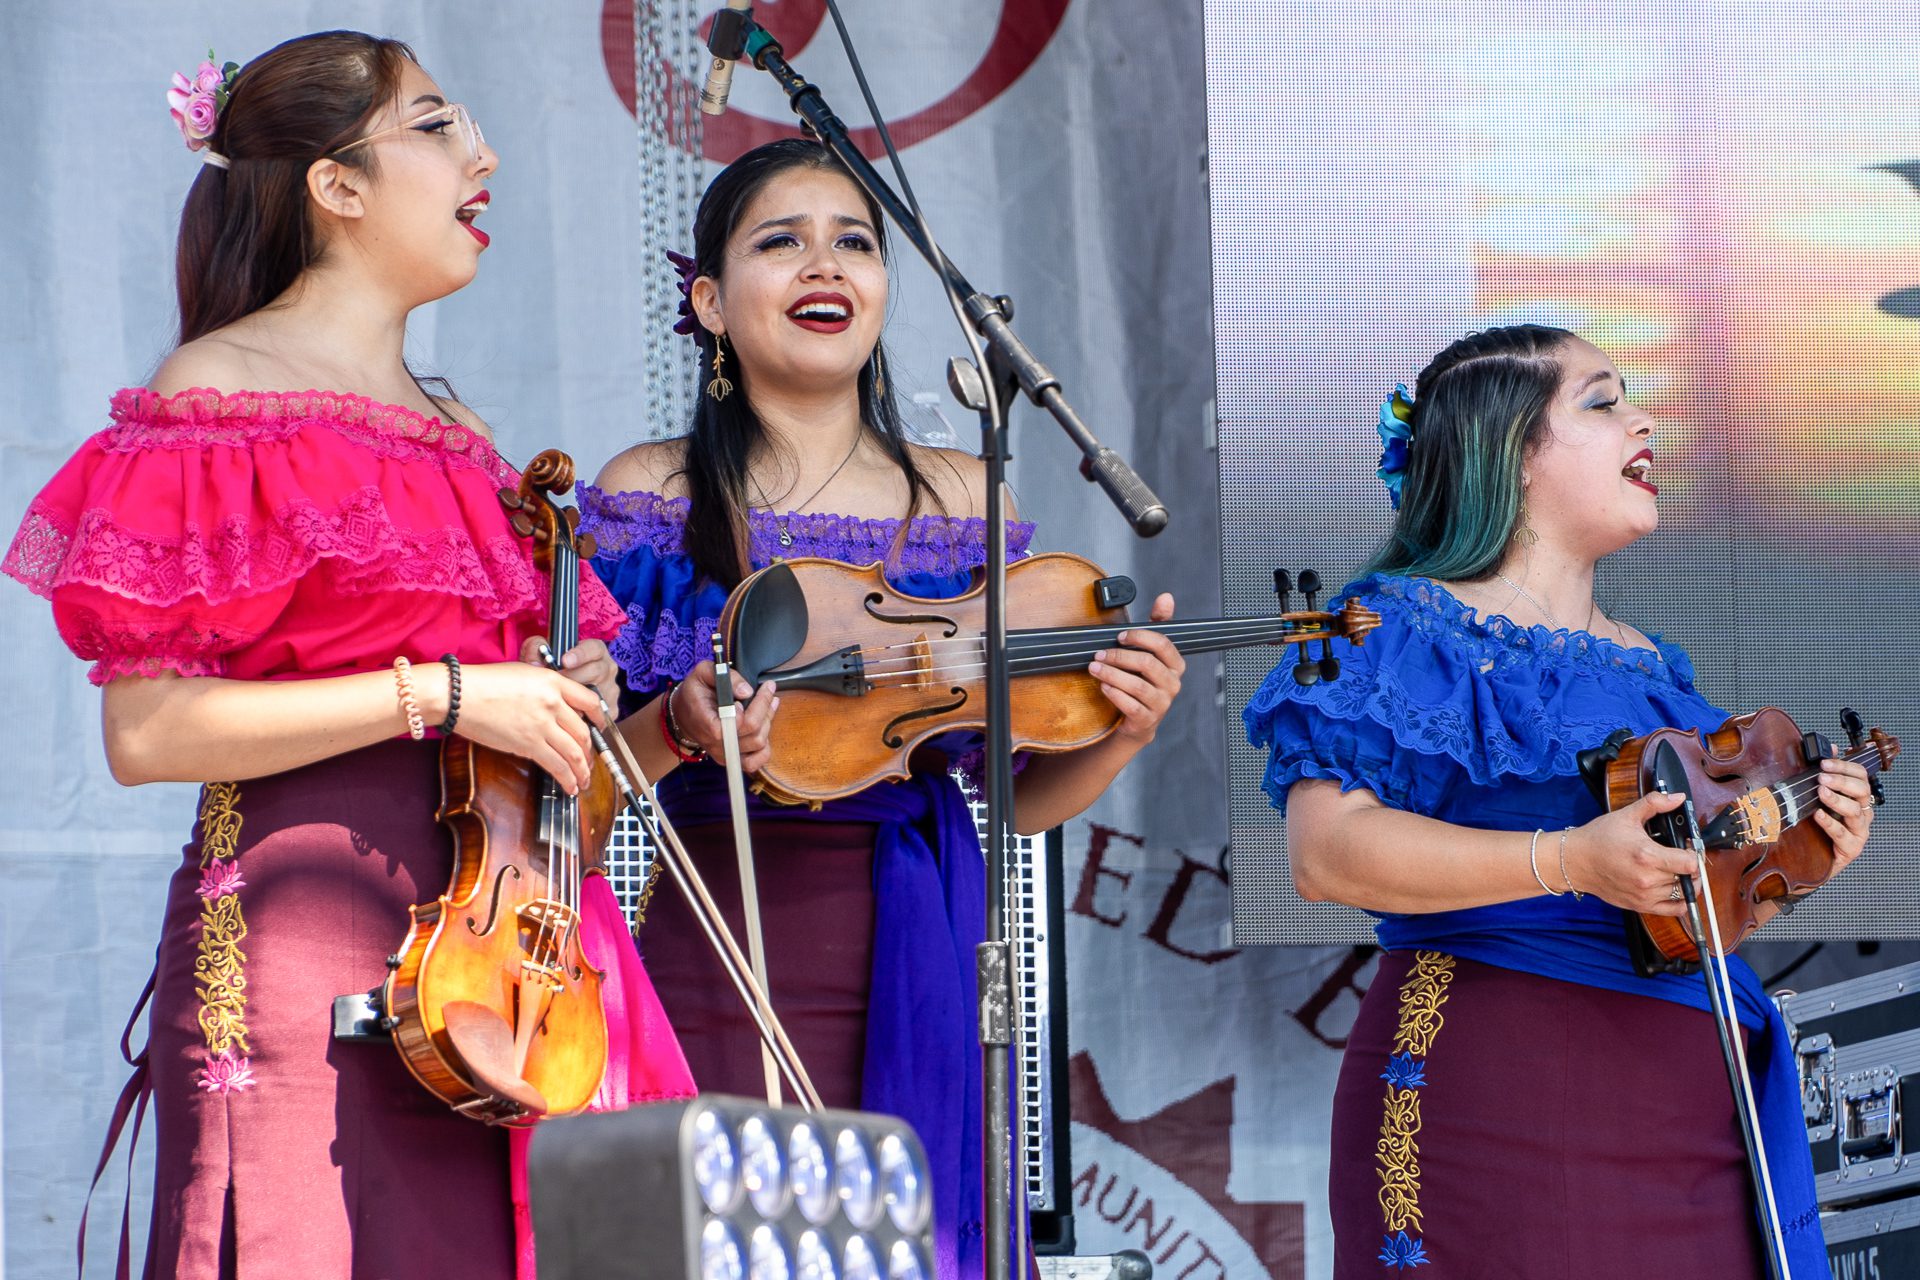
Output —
(1760, 816)
(920, 661)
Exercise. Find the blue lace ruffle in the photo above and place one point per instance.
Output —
(1437, 697)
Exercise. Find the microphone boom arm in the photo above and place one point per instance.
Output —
(989, 316)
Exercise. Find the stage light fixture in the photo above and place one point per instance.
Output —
(853, 1179)
(811, 1173)
(727, 1189)
(763, 1166)
(815, 1257)
(903, 1184)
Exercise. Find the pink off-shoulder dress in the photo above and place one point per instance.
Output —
(283, 536)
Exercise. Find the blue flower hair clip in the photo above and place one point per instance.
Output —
(1396, 435)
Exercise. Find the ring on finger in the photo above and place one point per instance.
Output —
(1674, 894)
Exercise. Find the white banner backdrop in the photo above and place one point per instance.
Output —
(1058, 148)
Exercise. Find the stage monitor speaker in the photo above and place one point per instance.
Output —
(1730, 215)
(727, 1187)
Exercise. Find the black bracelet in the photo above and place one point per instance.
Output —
(453, 693)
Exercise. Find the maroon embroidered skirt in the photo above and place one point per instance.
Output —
(1493, 1124)
(282, 1152)
(816, 910)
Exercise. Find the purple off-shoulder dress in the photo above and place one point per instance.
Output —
(871, 906)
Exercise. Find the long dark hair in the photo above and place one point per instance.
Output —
(725, 433)
(246, 233)
(1478, 409)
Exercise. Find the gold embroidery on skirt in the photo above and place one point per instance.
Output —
(219, 821)
(220, 966)
(222, 976)
(1398, 1152)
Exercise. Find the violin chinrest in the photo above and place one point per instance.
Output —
(770, 623)
(485, 1042)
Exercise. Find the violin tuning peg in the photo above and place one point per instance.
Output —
(522, 523)
(1283, 587)
(587, 547)
(1329, 665)
(511, 500)
(1310, 586)
(1855, 730)
(1876, 789)
(1305, 670)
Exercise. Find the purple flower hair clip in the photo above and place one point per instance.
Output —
(688, 324)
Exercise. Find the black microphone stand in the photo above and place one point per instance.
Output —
(1010, 366)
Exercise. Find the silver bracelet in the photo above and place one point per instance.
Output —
(1533, 849)
(1577, 895)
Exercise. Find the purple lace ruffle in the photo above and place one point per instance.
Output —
(667, 652)
(934, 543)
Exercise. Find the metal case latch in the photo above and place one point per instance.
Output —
(1869, 1115)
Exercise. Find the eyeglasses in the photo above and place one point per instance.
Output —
(452, 114)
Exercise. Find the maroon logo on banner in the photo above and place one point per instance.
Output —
(1190, 1139)
(1025, 28)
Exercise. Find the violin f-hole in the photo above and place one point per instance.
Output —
(493, 911)
(908, 619)
(892, 737)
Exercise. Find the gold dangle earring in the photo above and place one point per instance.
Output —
(879, 375)
(719, 388)
(1523, 534)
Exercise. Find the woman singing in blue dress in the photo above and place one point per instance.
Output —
(1515, 1099)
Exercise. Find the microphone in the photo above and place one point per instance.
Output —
(727, 41)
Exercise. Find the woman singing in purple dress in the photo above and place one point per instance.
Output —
(266, 578)
(874, 904)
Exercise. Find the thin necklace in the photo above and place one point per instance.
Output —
(780, 522)
(1544, 611)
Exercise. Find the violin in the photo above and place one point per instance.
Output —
(867, 673)
(1754, 784)
(491, 1000)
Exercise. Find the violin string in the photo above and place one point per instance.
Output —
(1806, 787)
(1173, 630)
(1022, 663)
(1023, 653)
(1801, 790)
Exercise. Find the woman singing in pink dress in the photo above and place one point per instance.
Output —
(247, 561)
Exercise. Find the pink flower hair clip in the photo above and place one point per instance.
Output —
(196, 105)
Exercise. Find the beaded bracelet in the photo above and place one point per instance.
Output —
(1577, 895)
(1533, 848)
(671, 732)
(453, 693)
(403, 681)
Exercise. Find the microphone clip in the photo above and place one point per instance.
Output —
(727, 39)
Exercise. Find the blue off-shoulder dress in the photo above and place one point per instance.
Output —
(1477, 722)
(890, 880)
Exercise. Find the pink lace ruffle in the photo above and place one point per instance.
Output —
(181, 532)
(236, 559)
(143, 419)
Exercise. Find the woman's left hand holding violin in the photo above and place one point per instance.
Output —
(1846, 809)
(1141, 677)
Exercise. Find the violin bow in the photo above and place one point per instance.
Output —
(637, 793)
(743, 842)
(1671, 776)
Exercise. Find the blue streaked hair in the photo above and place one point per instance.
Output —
(1478, 409)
